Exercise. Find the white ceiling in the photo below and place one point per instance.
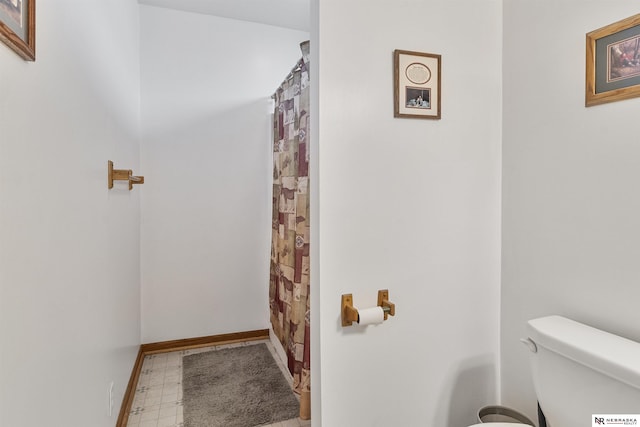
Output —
(292, 14)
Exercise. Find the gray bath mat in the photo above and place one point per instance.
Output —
(236, 387)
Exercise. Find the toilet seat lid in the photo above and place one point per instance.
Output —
(498, 425)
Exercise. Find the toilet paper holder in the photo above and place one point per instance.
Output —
(350, 314)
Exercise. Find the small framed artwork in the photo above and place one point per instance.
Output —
(18, 26)
(613, 62)
(417, 79)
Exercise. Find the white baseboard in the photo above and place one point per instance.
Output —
(277, 345)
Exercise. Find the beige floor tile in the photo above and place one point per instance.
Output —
(167, 422)
(149, 415)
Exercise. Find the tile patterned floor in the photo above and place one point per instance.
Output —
(158, 398)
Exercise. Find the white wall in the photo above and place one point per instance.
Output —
(69, 247)
(409, 205)
(571, 196)
(206, 215)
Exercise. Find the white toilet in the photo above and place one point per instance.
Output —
(579, 371)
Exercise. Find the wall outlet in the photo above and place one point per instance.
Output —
(111, 398)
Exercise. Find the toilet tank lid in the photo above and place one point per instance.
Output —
(601, 351)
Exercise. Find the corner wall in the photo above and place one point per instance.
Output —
(206, 208)
(408, 205)
(571, 201)
(69, 247)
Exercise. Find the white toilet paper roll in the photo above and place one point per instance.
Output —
(370, 316)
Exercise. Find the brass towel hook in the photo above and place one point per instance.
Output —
(123, 175)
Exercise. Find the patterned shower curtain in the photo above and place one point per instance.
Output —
(289, 276)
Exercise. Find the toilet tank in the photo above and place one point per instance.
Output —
(579, 371)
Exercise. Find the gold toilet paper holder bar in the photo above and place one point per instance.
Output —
(349, 313)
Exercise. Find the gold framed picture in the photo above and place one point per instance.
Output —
(18, 26)
(613, 62)
(417, 81)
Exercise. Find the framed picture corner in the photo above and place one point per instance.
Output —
(18, 27)
(613, 62)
